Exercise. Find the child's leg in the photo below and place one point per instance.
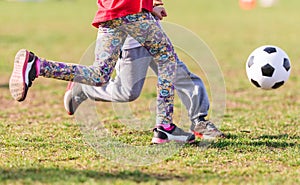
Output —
(190, 89)
(131, 71)
(109, 42)
(27, 66)
(144, 28)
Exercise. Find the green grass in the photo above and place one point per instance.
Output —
(40, 144)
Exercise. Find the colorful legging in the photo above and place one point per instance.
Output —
(111, 36)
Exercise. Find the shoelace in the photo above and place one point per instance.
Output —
(210, 125)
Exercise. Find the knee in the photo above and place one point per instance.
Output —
(135, 91)
(132, 95)
(127, 97)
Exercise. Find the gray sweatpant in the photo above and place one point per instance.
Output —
(131, 72)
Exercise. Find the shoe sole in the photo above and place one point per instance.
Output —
(17, 86)
(201, 136)
(162, 141)
(67, 94)
(66, 102)
(178, 139)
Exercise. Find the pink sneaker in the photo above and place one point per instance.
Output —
(170, 132)
(24, 72)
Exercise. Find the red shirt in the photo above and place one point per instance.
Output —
(112, 9)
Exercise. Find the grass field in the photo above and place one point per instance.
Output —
(41, 144)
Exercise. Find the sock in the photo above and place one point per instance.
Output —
(167, 127)
(37, 66)
(202, 118)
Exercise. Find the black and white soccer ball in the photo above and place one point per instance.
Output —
(268, 67)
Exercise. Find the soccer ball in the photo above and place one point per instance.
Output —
(268, 67)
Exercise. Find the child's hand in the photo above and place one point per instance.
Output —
(157, 3)
(159, 12)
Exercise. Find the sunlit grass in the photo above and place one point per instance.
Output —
(40, 143)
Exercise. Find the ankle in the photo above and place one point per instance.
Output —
(196, 121)
(201, 118)
(37, 66)
(166, 126)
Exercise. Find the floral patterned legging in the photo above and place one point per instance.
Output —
(111, 36)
